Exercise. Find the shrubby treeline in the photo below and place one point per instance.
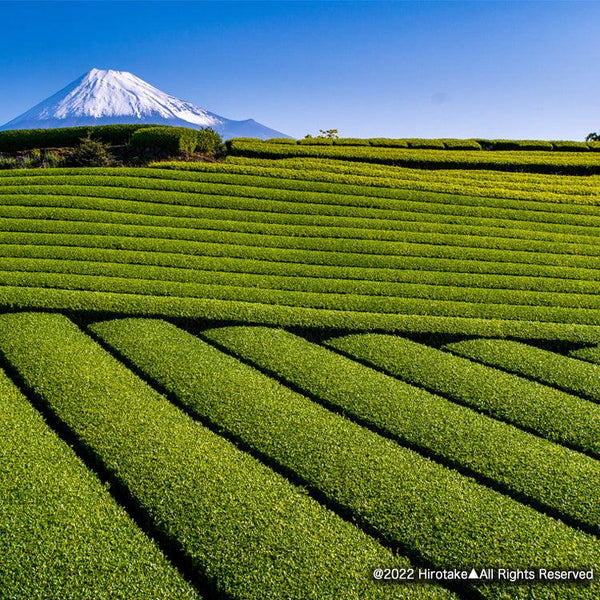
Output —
(105, 145)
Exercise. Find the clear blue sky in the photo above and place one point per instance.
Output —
(396, 69)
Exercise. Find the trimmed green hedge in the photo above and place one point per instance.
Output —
(453, 434)
(281, 141)
(565, 163)
(445, 518)
(66, 137)
(315, 141)
(547, 367)
(243, 527)
(475, 183)
(531, 145)
(171, 141)
(462, 145)
(388, 143)
(61, 533)
(591, 354)
(443, 144)
(328, 188)
(569, 146)
(425, 144)
(550, 413)
(350, 142)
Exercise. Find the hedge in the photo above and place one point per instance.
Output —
(388, 143)
(244, 528)
(478, 232)
(447, 143)
(62, 534)
(425, 144)
(150, 274)
(529, 145)
(536, 162)
(356, 252)
(591, 354)
(281, 140)
(354, 262)
(172, 141)
(457, 436)
(66, 137)
(316, 141)
(239, 311)
(383, 268)
(549, 413)
(350, 142)
(239, 181)
(487, 184)
(551, 368)
(462, 145)
(445, 518)
(569, 146)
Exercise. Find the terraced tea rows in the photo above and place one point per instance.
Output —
(255, 247)
(291, 401)
(444, 484)
(567, 163)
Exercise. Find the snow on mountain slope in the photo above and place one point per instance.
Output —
(111, 97)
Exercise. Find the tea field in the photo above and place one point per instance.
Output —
(271, 377)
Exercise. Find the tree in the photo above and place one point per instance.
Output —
(329, 133)
(90, 153)
(332, 134)
(593, 137)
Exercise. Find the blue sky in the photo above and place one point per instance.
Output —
(394, 69)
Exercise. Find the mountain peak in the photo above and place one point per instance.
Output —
(103, 97)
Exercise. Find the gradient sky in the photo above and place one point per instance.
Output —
(389, 69)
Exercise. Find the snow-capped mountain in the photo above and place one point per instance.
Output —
(110, 97)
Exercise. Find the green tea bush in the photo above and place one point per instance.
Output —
(163, 141)
(520, 145)
(281, 141)
(549, 413)
(501, 184)
(455, 435)
(590, 354)
(388, 143)
(424, 144)
(243, 527)
(434, 512)
(315, 141)
(208, 141)
(462, 145)
(60, 523)
(564, 163)
(551, 368)
(65, 137)
(569, 146)
(86, 300)
(350, 142)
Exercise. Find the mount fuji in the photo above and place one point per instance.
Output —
(112, 97)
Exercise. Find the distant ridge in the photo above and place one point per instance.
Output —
(110, 97)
